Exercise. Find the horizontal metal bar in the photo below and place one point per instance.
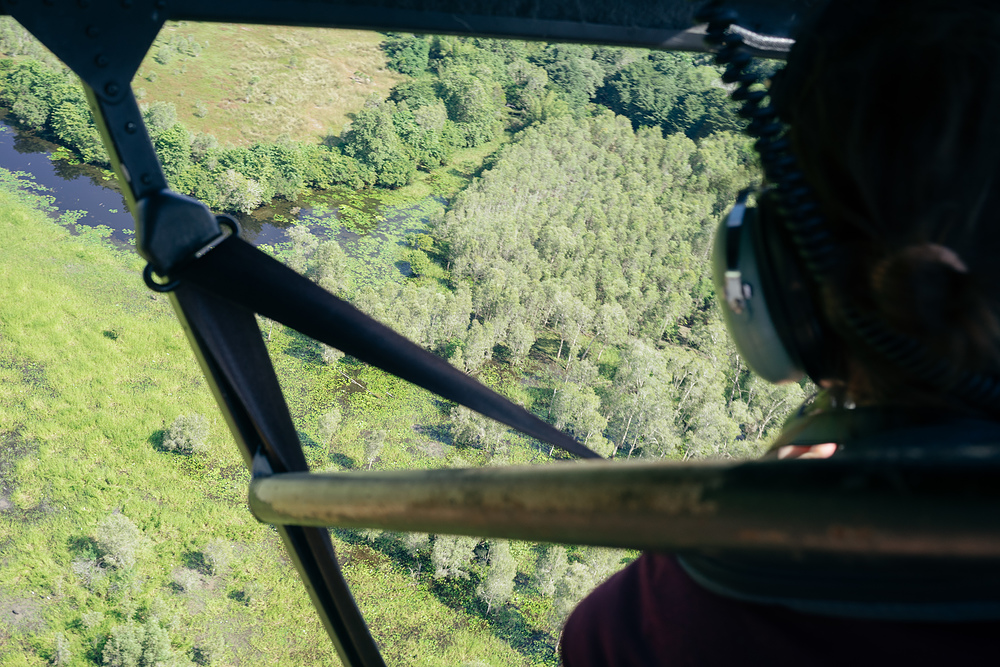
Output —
(664, 25)
(854, 507)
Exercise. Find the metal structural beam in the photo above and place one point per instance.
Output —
(666, 24)
(830, 507)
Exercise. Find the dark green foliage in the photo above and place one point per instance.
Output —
(74, 126)
(187, 435)
(642, 93)
(374, 142)
(416, 93)
(672, 91)
(407, 53)
(173, 146)
(474, 104)
(572, 69)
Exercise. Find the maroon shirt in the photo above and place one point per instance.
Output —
(652, 613)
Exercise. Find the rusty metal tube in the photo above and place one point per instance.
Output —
(921, 508)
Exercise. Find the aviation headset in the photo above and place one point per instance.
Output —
(771, 260)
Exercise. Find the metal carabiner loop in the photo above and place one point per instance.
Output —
(147, 276)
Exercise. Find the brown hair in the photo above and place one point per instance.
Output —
(894, 113)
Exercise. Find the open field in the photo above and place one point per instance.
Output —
(251, 82)
(93, 368)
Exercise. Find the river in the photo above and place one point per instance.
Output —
(372, 235)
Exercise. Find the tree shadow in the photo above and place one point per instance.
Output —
(83, 546)
(303, 348)
(195, 560)
(156, 439)
(343, 460)
(506, 622)
(306, 440)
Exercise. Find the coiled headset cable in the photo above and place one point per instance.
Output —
(808, 229)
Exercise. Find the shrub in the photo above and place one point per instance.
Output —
(187, 435)
(119, 541)
(451, 556)
(218, 555)
(328, 424)
(135, 645)
(186, 579)
(61, 654)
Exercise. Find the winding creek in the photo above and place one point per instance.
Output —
(372, 234)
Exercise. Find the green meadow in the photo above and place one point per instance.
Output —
(93, 369)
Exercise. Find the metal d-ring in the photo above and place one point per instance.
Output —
(147, 273)
(229, 222)
(147, 276)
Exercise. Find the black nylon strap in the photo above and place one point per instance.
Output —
(238, 272)
(228, 345)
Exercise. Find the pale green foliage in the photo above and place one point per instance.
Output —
(451, 555)
(416, 542)
(237, 192)
(374, 441)
(91, 619)
(218, 555)
(91, 574)
(471, 429)
(186, 579)
(61, 654)
(134, 645)
(498, 585)
(579, 578)
(329, 422)
(549, 568)
(478, 345)
(303, 245)
(573, 586)
(187, 435)
(119, 541)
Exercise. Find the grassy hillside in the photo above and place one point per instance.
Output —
(252, 82)
(93, 368)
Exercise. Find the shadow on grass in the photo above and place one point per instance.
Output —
(156, 439)
(343, 460)
(303, 348)
(506, 622)
(83, 546)
(195, 560)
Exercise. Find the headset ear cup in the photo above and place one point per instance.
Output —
(794, 303)
(746, 298)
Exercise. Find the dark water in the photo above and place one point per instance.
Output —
(83, 188)
(73, 187)
(371, 235)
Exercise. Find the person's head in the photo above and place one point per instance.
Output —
(894, 115)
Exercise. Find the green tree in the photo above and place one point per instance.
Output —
(374, 141)
(498, 585)
(474, 104)
(550, 566)
(451, 555)
(134, 645)
(73, 125)
(173, 147)
(407, 54)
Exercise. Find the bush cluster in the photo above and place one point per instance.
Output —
(187, 435)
